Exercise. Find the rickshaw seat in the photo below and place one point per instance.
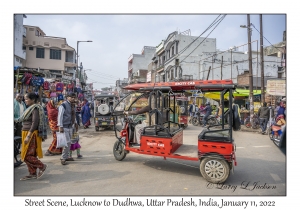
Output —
(215, 135)
(150, 131)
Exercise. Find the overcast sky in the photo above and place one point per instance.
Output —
(116, 37)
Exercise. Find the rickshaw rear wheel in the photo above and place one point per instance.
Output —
(119, 151)
(96, 128)
(214, 170)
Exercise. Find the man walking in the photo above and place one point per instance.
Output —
(192, 110)
(66, 120)
(208, 111)
(19, 108)
(263, 114)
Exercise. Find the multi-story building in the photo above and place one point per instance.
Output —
(51, 55)
(278, 50)
(119, 85)
(19, 33)
(138, 65)
(231, 65)
(177, 57)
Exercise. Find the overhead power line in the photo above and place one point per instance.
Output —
(214, 22)
(219, 21)
(266, 39)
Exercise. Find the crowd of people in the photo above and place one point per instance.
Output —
(266, 113)
(272, 115)
(31, 120)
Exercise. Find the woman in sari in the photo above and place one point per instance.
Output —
(33, 132)
(86, 114)
(52, 118)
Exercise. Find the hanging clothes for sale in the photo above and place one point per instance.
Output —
(80, 96)
(60, 97)
(59, 87)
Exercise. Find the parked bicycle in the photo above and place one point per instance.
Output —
(17, 143)
(256, 123)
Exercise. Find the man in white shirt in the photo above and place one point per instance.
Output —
(66, 120)
(19, 108)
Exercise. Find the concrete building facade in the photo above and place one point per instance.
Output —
(178, 56)
(227, 65)
(138, 64)
(52, 55)
(19, 33)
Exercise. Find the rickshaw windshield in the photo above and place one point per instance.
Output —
(131, 101)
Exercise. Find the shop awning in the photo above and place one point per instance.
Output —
(237, 92)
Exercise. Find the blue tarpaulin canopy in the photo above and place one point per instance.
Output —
(16, 67)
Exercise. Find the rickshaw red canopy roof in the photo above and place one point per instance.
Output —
(178, 86)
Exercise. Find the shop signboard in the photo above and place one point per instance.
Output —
(257, 105)
(149, 77)
(66, 77)
(276, 87)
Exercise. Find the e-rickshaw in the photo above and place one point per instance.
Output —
(214, 147)
(181, 110)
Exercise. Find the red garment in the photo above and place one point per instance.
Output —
(52, 115)
(78, 107)
(31, 160)
(52, 118)
(52, 148)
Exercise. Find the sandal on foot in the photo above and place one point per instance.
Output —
(28, 177)
(41, 173)
(79, 156)
(64, 162)
(48, 153)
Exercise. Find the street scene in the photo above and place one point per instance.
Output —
(108, 106)
(98, 173)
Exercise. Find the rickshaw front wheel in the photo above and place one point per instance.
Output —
(214, 169)
(119, 151)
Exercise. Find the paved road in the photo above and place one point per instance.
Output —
(261, 170)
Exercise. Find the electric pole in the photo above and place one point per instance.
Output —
(262, 61)
(250, 70)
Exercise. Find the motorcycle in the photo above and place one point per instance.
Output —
(277, 134)
(197, 119)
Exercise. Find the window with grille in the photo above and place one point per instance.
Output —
(40, 53)
(30, 48)
(55, 54)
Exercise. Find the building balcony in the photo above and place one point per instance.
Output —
(70, 64)
(70, 71)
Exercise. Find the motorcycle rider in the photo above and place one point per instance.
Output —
(208, 111)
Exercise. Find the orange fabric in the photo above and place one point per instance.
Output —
(24, 149)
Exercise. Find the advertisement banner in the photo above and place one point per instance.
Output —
(149, 77)
(276, 87)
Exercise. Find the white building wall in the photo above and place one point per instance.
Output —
(19, 53)
(142, 61)
(239, 65)
(189, 59)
